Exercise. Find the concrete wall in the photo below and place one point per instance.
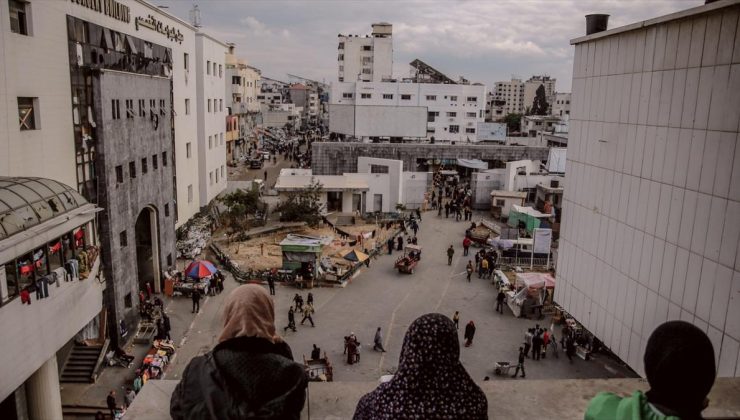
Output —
(651, 214)
(415, 184)
(394, 183)
(338, 158)
(120, 142)
(482, 183)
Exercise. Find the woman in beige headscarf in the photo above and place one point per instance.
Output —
(249, 374)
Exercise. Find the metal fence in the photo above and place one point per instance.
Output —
(523, 261)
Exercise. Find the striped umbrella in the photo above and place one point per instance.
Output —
(199, 269)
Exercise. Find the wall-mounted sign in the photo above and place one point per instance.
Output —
(151, 22)
(110, 8)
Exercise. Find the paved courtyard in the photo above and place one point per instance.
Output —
(380, 296)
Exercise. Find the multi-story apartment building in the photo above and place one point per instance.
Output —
(366, 58)
(560, 106)
(209, 70)
(445, 112)
(516, 97)
(98, 92)
(241, 101)
(306, 97)
(651, 219)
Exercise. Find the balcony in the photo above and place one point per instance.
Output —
(507, 398)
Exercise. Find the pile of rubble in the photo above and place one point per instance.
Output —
(193, 237)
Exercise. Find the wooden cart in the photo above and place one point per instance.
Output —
(409, 260)
(318, 370)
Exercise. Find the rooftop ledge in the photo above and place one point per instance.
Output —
(507, 398)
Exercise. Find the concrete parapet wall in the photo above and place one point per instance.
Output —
(333, 158)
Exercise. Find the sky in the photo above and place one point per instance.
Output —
(483, 40)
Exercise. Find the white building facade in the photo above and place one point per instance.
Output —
(368, 58)
(518, 96)
(446, 112)
(652, 210)
(560, 107)
(210, 75)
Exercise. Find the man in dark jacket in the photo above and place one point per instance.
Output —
(536, 347)
(520, 364)
(500, 298)
(291, 320)
(110, 401)
(195, 296)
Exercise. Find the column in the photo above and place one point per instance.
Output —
(42, 392)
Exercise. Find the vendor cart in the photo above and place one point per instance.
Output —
(409, 260)
(502, 368)
(318, 370)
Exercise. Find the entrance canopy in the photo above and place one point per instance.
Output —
(473, 164)
(535, 280)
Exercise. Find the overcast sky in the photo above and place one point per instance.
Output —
(484, 40)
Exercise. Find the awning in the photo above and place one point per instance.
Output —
(472, 163)
(353, 255)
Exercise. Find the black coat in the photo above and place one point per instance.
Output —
(469, 332)
(241, 378)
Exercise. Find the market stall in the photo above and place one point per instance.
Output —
(301, 254)
(533, 291)
(529, 217)
(197, 276)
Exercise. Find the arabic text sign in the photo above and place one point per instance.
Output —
(151, 22)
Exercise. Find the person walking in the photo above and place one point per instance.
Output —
(483, 269)
(456, 320)
(469, 269)
(450, 253)
(469, 333)
(298, 300)
(166, 326)
(128, 397)
(271, 285)
(400, 243)
(570, 348)
(545, 342)
(520, 363)
(418, 214)
(528, 342)
(265, 175)
(466, 246)
(309, 299)
(378, 341)
(110, 401)
(307, 311)
(195, 296)
(447, 210)
(500, 298)
(536, 347)
(291, 320)
(390, 246)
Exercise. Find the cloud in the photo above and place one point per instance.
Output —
(486, 41)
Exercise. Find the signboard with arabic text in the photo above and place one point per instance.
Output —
(156, 25)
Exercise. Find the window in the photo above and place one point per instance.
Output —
(453, 98)
(208, 67)
(166, 209)
(209, 105)
(164, 158)
(144, 167)
(340, 57)
(188, 150)
(152, 106)
(186, 61)
(470, 114)
(142, 108)
(115, 109)
(430, 129)
(387, 96)
(210, 178)
(452, 114)
(27, 113)
(236, 80)
(210, 142)
(367, 71)
(222, 139)
(366, 95)
(347, 95)
(367, 48)
(162, 110)
(19, 17)
(405, 97)
(341, 79)
(155, 162)
(431, 97)
(132, 169)
(130, 109)
(454, 129)
(127, 301)
(119, 174)
(220, 104)
(169, 259)
(472, 99)
(431, 116)
(214, 68)
(341, 46)
(220, 70)
(470, 130)
(216, 176)
(190, 193)
(500, 203)
(187, 106)
(123, 238)
(378, 169)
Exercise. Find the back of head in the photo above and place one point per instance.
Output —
(249, 312)
(430, 339)
(679, 365)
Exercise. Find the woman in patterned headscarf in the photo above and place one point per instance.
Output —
(431, 383)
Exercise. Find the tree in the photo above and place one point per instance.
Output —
(302, 206)
(540, 105)
(240, 204)
(513, 122)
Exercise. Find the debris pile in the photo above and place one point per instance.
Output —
(193, 237)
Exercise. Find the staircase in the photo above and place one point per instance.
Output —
(80, 366)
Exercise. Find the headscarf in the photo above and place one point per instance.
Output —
(677, 351)
(249, 312)
(430, 383)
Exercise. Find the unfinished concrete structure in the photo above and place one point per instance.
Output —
(339, 158)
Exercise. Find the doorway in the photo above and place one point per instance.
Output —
(378, 202)
(147, 250)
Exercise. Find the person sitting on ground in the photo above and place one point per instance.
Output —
(315, 353)
(275, 386)
(430, 382)
(679, 365)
